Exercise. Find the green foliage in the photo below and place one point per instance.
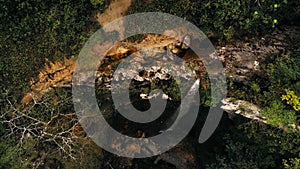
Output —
(291, 99)
(274, 141)
(35, 30)
(283, 73)
(256, 145)
(278, 109)
(97, 2)
(293, 14)
(255, 87)
(14, 155)
(291, 163)
(277, 115)
(242, 154)
(225, 19)
(36, 140)
(12, 159)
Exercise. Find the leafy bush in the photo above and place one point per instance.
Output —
(291, 99)
(291, 163)
(256, 145)
(284, 87)
(242, 154)
(35, 30)
(10, 156)
(225, 18)
(284, 73)
(277, 115)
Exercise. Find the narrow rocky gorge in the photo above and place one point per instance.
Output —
(242, 61)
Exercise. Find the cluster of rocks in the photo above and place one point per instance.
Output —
(243, 108)
(145, 65)
(243, 58)
(154, 59)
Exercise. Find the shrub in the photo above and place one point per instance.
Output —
(291, 163)
(277, 115)
(35, 30)
(291, 99)
(224, 19)
(283, 90)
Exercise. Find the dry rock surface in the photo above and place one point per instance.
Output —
(244, 108)
(241, 59)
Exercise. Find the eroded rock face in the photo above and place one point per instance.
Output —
(183, 156)
(154, 58)
(163, 52)
(244, 108)
(249, 110)
(131, 148)
(115, 10)
(60, 73)
(243, 58)
(54, 74)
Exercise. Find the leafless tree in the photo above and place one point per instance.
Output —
(47, 120)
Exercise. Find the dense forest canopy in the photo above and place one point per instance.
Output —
(33, 31)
